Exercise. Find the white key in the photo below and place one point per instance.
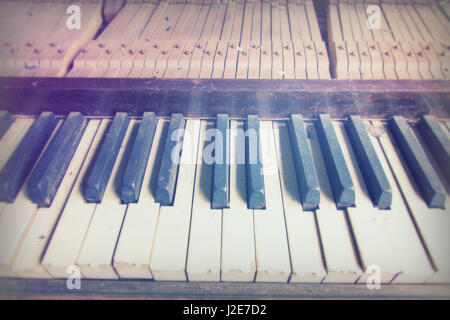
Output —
(433, 224)
(304, 243)
(168, 261)
(340, 259)
(238, 235)
(10, 141)
(272, 252)
(134, 248)
(13, 137)
(15, 221)
(203, 261)
(65, 244)
(446, 128)
(27, 261)
(367, 222)
(411, 256)
(96, 254)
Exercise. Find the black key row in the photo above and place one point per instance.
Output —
(50, 169)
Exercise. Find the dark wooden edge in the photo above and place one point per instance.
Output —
(110, 9)
(205, 98)
(202, 290)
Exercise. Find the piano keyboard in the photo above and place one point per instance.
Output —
(179, 199)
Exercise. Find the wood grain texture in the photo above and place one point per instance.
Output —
(97, 289)
(238, 98)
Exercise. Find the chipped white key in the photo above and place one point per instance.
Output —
(304, 243)
(238, 235)
(96, 254)
(367, 222)
(411, 256)
(340, 259)
(28, 258)
(62, 251)
(203, 260)
(168, 261)
(134, 248)
(272, 252)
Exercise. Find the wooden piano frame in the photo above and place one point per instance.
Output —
(270, 99)
(149, 289)
(205, 98)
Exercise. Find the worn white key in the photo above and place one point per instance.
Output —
(203, 260)
(272, 252)
(304, 243)
(446, 127)
(340, 258)
(134, 248)
(28, 258)
(96, 254)
(12, 138)
(168, 261)
(238, 235)
(15, 220)
(367, 222)
(433, 224)
(447, 124)
(62, 251)
(411, 256)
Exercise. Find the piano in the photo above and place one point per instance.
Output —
(225, 149)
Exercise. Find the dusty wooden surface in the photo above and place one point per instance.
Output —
(270, 99)
(95, 289)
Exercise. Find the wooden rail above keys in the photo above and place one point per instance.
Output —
(205, 98)
(145, 289)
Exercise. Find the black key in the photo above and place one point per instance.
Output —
(426, 178)
(168, 172)
(307, 181)
(137, 163)
(220, 195)
(438, 143)
(18, 167)
(256, 197)
(6, 121)
(52, 166)
(340, 179)
(376, 181)
(104, 163)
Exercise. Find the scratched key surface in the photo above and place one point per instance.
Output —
(134, 173)
(19, 165)
(50, 170)
(104, 163)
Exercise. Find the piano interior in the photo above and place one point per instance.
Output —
(225, 148)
